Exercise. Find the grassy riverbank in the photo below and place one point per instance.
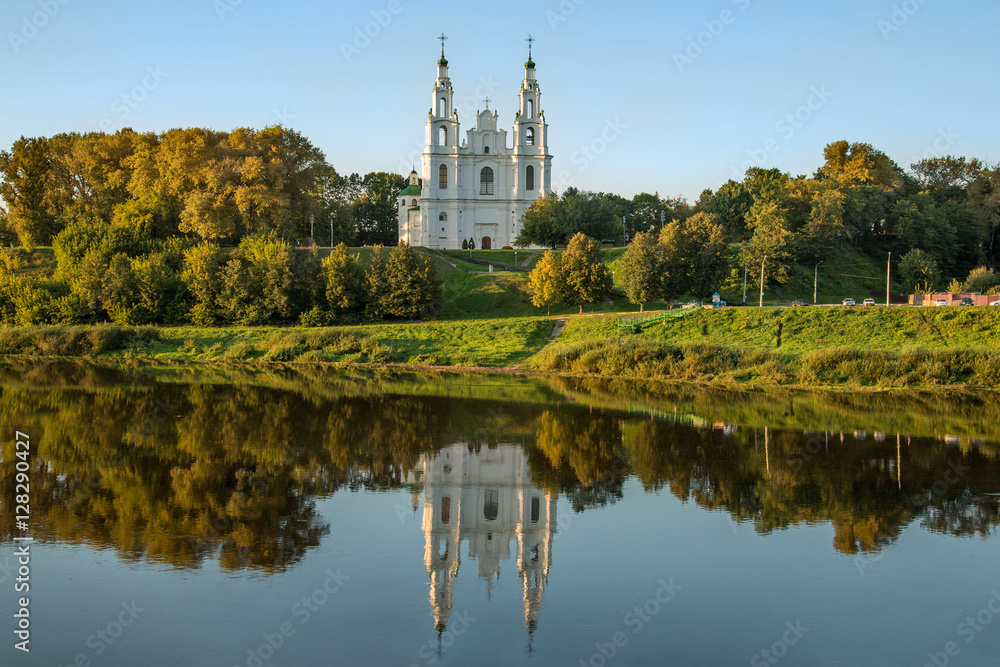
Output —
(829, 347)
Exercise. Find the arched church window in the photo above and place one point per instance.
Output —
(443, 177)
(536, 507)
(531, 108)
(413, 203)
(529, 136)
(443, 217)
(486, 149)
(491, 504)
(445, 509)
(442, 107)
(529, 178)
(486, 181)
(442, 136)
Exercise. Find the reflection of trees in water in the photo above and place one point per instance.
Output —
(868, 490)
(181, 473)
(581, 455)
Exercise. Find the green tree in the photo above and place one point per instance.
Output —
(771, 239)
(640, 269)
(412, 284)
(202, 274)
(588, 279)
(27, 182)
(541, 224)
(345, 281)
(730, 205)
(546, 282)
(375, 214)
(919, 268)
(825, 226)
(695, 256)
(981, 280)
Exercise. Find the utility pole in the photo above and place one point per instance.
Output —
(331, 232)
(816, 281)
(745, 284)
(762, 281)
(888, 264)
(312, 228)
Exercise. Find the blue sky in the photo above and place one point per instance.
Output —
(661, 96)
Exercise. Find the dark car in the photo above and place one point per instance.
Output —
(966, 301)
(799, 302)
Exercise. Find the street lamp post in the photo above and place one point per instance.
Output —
(762, 281)
(816, 280)
(888, 264)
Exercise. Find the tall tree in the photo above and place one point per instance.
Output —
(546, 282)
(588, 279)
(640, 269)
(541, 224)
(375, 215)
(694, 256)
(412, 286)
(344, 278)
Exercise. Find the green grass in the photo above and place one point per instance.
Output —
(813, 328)
(486, 343)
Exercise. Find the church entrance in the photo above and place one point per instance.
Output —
(487, 243)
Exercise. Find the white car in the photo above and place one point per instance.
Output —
(940, 302)
(869, 302)
(850, 302)
(995, 303)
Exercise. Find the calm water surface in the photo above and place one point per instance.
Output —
(251, 519)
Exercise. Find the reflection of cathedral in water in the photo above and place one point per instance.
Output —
(485, 497)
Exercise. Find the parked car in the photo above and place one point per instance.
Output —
(850, 302)
(940, 302)
(869, 302)
(718, 304)
(995, 303)
(799, 302)
(967, 301)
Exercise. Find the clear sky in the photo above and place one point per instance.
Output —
(660, 96)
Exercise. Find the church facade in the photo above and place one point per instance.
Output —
(477, 186)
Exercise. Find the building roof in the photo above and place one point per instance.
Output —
(410, 190)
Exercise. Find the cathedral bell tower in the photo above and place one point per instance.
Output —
(442, 121)
(533, 163)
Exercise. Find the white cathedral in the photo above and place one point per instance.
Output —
(477, 187)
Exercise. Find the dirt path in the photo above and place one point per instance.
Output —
(557, 330)
(526, 263)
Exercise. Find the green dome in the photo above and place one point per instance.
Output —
(443, 62)
(530, 64)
